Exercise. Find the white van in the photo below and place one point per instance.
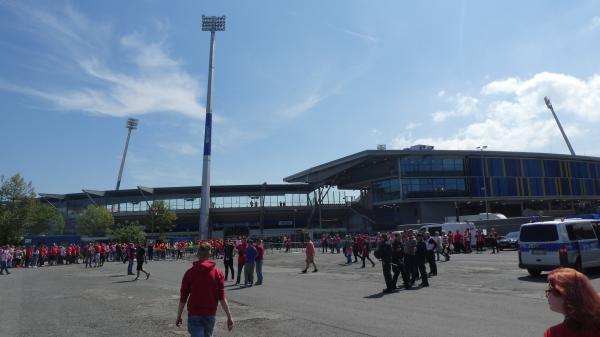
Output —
(560, 243)
(451, 226)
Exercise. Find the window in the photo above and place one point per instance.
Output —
(386, 190)
(579, 170)
(581, 231)
(538, 233)
(565, 188)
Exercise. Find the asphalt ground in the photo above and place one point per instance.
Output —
(473, 295)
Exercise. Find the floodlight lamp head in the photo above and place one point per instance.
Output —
(548, 104)
(213, 23)
(132, 123)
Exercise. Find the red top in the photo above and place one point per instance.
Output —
(561, 330)
(260, 253)
(204, 285)
(310, 249)
(241, 248)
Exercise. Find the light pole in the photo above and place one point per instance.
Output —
(549, 105)
(487, 212)
(132, 124)
(210, 24)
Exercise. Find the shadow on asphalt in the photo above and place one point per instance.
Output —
(124, 281)
(119, 275)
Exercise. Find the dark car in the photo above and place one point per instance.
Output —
(509, 241)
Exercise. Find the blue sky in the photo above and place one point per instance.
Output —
(296, 84)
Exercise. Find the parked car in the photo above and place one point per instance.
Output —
(509, 241)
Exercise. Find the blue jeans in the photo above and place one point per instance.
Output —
(130, 266)
(259, 278)
(4, 266)
(201, 326)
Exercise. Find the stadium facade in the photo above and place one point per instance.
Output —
(371, 190)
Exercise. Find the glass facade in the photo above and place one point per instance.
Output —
(433, 176)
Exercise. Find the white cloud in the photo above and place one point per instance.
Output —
(516, 118)
(301, 107)
(463, 106)
(593, 24)
(180, 148)
(155, 83)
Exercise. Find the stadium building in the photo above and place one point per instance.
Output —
(370, 190)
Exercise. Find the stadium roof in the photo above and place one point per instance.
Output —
(217, 190)
(325, 174)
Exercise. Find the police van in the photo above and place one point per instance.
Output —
(547, 245)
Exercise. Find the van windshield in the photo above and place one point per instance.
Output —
(538, 233)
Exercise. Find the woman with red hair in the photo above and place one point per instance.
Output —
(571, 294)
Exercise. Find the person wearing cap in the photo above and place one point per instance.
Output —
(203, 288)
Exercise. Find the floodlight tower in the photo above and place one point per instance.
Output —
(485, 194)
(210, 24)
(549, 105)
(132, 124)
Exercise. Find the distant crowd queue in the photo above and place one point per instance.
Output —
(92, 254)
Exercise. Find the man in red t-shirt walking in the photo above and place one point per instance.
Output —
(202, 287)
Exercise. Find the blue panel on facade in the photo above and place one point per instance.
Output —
(494, 167)
(576, 187)
(589, 187)
(565, 188)
(533, 167)
(535, 187)
(551, 168)
(579, 169)
(550, 185)
(513, 167)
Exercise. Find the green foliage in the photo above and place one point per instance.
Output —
(16, 199)
(94, 221)
(129, 232)
(43, 219)
(163, 216)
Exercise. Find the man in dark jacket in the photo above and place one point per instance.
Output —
(384, 253)
(398, 262)
(420, 257)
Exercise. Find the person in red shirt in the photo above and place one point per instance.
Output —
(241, 250)
(260, 253)
(202, 288)
(310, 256)
(570, 293)
(458, 245)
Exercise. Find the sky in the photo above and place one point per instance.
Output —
(296, 84)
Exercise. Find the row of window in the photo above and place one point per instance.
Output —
(406, 188)
(497, 167)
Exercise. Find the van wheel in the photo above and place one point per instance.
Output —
(534, 272)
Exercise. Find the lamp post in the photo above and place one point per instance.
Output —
(487, 212)
(132, 124)
(210, 24)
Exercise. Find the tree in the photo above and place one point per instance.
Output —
(94, 221)
(163, 216)
(43, 219)
(129, 232)
(16, 199)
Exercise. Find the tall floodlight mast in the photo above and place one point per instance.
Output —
(549, 105)
(210, 24)
(132, 124)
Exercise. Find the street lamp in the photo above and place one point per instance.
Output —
(132, 124)
(487, 212)
(210, 24)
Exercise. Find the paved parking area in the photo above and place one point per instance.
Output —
(474, 295)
